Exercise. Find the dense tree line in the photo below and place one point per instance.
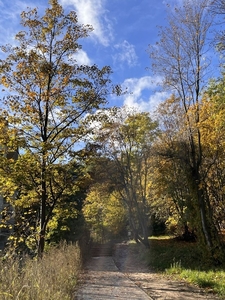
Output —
(135, 168)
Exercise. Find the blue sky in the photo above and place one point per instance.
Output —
(123, 29)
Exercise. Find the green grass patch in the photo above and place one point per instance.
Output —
(184, 261)
(213, 281)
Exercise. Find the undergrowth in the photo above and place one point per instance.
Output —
(53, 277)
(184, 261)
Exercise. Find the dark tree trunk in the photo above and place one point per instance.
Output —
(41, 242)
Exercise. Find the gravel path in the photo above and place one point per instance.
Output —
(124, 276)
(104, 281)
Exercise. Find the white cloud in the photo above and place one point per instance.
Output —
(127, 53)
(92, 12)
(82, 58)
(155, 99)
(138, 97)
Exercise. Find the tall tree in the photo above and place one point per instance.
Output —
(126, 139)
(212, 130)
(181, 59)
(49, 93)
(172, 174)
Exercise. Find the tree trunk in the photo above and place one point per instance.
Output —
(41, 242)
(145, 231)
(208, 231)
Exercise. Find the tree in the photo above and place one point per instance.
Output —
(172, 167)
(182, 61)
(49, 93)
(212, 130)
(126, 139)
(104, 212)
(218, 10)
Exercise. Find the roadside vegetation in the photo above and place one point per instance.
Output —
(53, 277)
(181, 260)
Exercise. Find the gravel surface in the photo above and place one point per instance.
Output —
(125, 276)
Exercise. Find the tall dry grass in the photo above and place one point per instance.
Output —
(53, 277)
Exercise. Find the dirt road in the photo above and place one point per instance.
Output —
(104, 281)
(123, 276)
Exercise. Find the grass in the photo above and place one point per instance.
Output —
(211, 281)
(53, 277)
(184, 261)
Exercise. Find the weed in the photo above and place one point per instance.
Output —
(53, 277)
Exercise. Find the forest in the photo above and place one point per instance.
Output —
(74, 168)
